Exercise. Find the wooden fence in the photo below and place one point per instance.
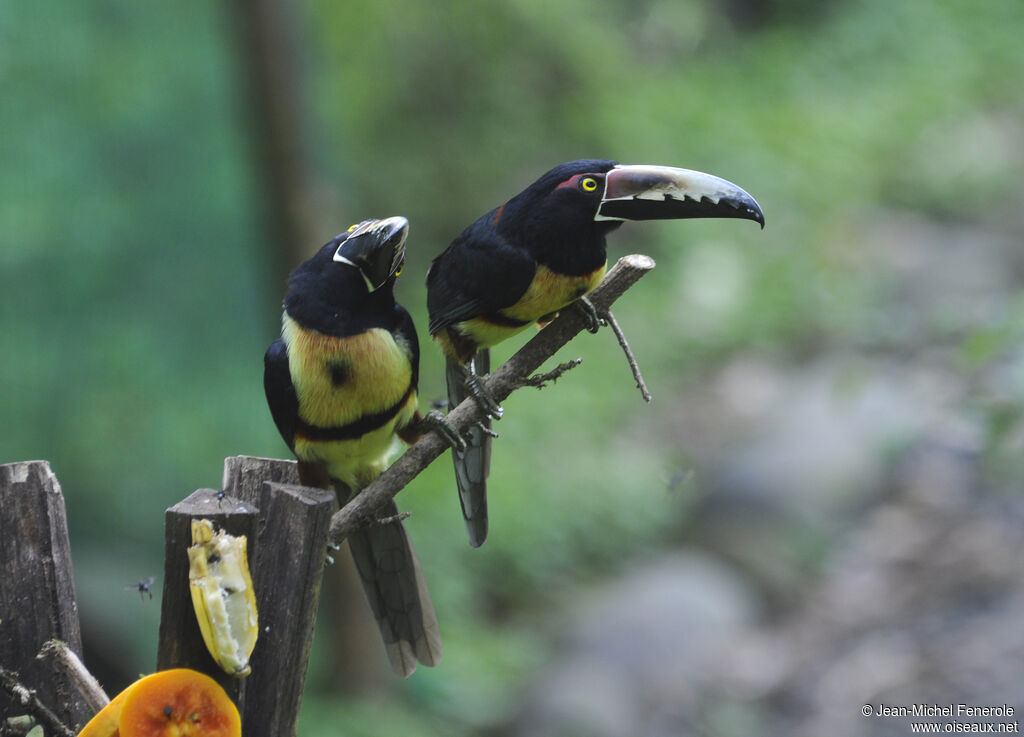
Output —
(286, 558)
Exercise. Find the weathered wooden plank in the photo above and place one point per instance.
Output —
(287, 575)
(181, 643)
(244, 475)
(37, 587)
(355, 633)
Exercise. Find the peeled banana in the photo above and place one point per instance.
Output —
(222, 596)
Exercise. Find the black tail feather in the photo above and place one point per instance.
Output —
(474, 465)
(395, 587)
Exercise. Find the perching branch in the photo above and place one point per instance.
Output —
(28, 699)
(539, 381)
(500, 384)
(68, 663)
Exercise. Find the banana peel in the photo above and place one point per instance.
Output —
(222, 596)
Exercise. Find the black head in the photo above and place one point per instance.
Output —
(566, 198)
(603, 191)
(356, 269)
(554, 218)
(565, 215)
(375, 247)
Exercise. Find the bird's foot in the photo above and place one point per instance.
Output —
(593, 320)
(434, 420)
(483, 397)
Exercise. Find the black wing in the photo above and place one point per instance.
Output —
(479, 273)
(277, 383)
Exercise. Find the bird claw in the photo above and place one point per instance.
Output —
(483, 397)
(331, 548)
(590, 316)
(436, 421)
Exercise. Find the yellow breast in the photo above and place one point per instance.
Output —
(547, 294)
(340, 381)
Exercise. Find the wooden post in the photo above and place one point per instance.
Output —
(37, 588)
(287, 572)
(359, 665)
(244, 475)
(181, 643)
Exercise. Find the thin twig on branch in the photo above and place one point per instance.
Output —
(539, 381)
(393, 518)
(486, 430)
(500, 384)
(28, 699)
(633, 365)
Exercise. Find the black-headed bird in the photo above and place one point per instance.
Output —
(341, 384)
(525, 260)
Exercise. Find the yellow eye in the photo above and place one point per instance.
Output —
(589, 184)
(398, 271)
(352, 227)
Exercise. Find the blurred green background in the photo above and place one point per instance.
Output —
(141, 272)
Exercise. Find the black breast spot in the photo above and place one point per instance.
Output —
(339, 371)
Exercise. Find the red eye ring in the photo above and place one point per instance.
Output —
(587, 183)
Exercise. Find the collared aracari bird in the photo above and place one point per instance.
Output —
(341, 384)
(541, 251)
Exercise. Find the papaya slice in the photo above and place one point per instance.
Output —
(107, 719)
(178, 703)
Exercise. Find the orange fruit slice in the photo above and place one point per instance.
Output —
(170, 703)
(104, 724)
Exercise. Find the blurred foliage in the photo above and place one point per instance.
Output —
(136, 304)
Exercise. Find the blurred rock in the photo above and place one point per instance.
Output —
(921, 601)
(787, 458)
(632, 648)
(959, 272)
(825, 433)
